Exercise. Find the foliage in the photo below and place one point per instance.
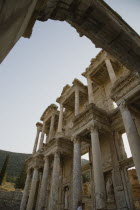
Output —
(86, 177)
(3, 170)
(20, 181)
(15, 164)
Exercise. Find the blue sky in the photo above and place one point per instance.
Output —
(33, 74)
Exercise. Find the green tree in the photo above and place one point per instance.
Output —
(20, 181)
(3, 170)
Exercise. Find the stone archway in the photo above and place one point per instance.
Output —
(92, 18)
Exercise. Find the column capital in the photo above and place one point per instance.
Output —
(38, 129)
(57, 154)
(53, 114)
(123, 105)
(39, 124)
(36, 166)
(46, 157)
(93, 127)
(75, 138)
(88, 77)
(107, 58)
(29, 170)
(61, 105)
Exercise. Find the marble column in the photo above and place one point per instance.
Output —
(31, 199)
(53, 201)
(132, 135)
(110, 70)
(76, 101)
(26, 191)
(90, 90)
(42, 135)
(60, 122)
(99, 183)
(77, 180)
(44, 183)
(36, 141)
(51, 132)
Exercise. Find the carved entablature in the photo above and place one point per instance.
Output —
(116, 121)
(67, 97)
(65, 146)
(39, 126)
(50, 147)
(78, 83)
(50, 109)
(65, 89)
(95, 64)
(125, 87)
(35, 161)
(91, 113)
(64, 92)
(62, 144)
(128, 162)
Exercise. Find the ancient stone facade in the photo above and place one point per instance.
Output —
(87, 122)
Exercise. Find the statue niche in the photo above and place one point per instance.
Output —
(66, 198)
(109, 189)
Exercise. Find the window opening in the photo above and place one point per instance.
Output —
(126, 145)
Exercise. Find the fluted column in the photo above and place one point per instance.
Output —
(60, 122)
(90, 90)
(51, 132)
(110, 70)
(36, 141)
(53, 201)
(26, 191)
(44, 183)
(132, 135)
(42, 135)
(33, 189)
(76, 101)
(77, 181)
(97, 169)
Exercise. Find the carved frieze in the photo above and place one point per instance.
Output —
(35, 161)
(124, 86)
(92, 112)
(63, 145)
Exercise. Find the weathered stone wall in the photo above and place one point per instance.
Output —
(135, 187)
(10, 200)
(105, 150)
